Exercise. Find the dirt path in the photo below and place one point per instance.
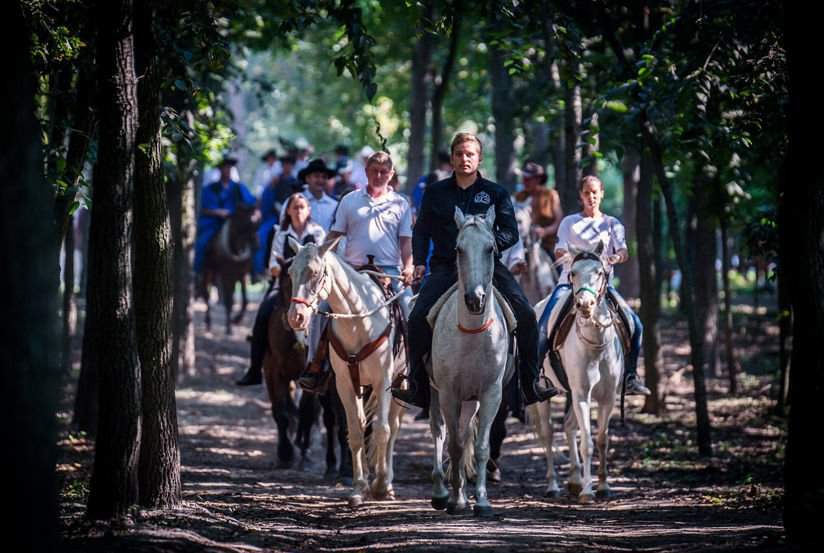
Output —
(666, 498)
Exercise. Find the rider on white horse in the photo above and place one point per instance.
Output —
(474, 195)
(582, 232)
(377, 223)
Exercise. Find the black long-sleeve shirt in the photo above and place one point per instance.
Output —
(436, 218)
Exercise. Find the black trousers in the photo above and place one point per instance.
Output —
(261, 327)
(438, 282)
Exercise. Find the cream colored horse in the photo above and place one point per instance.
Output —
(318, 274)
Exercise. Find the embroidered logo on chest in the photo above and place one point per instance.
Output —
(482, 198)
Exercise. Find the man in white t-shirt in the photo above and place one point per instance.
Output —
(377, 223)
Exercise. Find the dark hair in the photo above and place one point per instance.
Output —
(287, 220)
(288, 159)
(443, 157)
(587, 179)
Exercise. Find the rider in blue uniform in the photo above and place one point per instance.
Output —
(218, 201)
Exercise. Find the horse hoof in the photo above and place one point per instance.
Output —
(574, 489)
(439, 503)
(603, 494)
(454, 509)
(553, 494)
(355, 501)
(482, 510)
(586, 498)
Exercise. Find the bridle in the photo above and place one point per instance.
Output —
(484, 327)
(598, 295)
(312, 300)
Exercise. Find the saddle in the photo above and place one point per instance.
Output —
(561, 321)
(396, 320)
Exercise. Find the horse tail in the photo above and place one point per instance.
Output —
(370, 410)
(468, 458)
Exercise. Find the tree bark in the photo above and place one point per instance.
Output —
(30, 378)
(442, 85)
(628, 273)
(572, 134)
(503, 111)
(419, 98)
(182, 212)
(802, 252)
(69, 311)
(592, 146)
(703, 266)
(114, 483)
(726, 321)
(650, 284)
(159, 465)
(703, 436)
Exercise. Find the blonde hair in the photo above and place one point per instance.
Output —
(381, 158)
(590, 179)
(462, 137)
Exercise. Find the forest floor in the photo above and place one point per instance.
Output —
(665, 497)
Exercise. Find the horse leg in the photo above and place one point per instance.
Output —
(329, 425)
(581, 407)
(571, 430)
(381, 488)
(489, 410)
(543, 414)
(280, 412)
(228, 292)
(496, 439)
(244, 301)
(457, 495)
(354, 417)
(345, 470)
(306, 418)
(437, 427)
(396, 411)
(606, 405)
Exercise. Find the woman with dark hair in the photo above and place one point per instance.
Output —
(583, 231)
(297, 223)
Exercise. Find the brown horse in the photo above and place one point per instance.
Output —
(228, 260)
(283, 362)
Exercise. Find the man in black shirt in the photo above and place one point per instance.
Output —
(468, 190)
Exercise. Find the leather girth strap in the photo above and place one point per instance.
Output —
(353, 360)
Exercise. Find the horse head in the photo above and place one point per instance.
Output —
(310, 281)
(475, 250)
(589, 278)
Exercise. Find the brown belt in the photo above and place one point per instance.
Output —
(353, 360)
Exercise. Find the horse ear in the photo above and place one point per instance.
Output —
(599, 249)
(294, 244)
(490, 217)
(329, 245)
(459, 217)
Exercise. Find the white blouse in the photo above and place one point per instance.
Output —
(279, 242)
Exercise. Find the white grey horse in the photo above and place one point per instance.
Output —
(593, 359)
(541, 275)
(319, 274)
(469, 361)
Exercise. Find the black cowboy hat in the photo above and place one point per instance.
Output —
(316, 166)
(227, 160)
(271, 152)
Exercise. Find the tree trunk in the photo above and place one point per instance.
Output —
(785, 337)
(418, 98)
(442, 85)
(182, 217)
(503, 111)
(726, 321)
(703, 437)
(628, 273)
(703, 266)
(592, 146)
(159, 465)
(114, 478)
(650, 288)
(86, 405)
(69, 311)
(572, 134)
(29, 277)
(802, 252)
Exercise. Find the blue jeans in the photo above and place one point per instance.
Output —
(631, 361)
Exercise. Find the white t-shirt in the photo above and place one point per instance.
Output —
(373, 226)
(583, 233)
(279, 241)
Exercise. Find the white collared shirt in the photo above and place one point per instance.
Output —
(373, 226)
